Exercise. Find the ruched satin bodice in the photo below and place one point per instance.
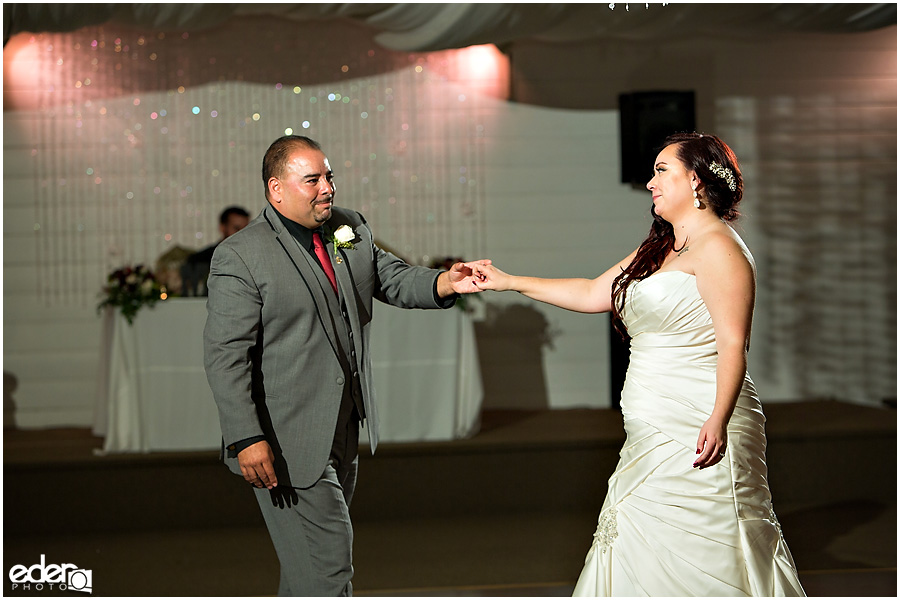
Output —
(666, 528)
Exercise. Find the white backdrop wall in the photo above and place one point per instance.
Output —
(106, 163)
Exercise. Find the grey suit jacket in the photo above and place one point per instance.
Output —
(276, 346)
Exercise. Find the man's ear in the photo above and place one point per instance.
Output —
(275, 189)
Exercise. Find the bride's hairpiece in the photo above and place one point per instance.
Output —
(725, 173)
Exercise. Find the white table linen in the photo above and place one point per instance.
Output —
(153, 393)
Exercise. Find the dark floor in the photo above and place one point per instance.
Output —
(509, 512)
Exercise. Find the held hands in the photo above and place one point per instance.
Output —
(712, 443)
(257, 465)
(488, 277)
(460, 279)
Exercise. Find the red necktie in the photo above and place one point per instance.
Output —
(324, 259)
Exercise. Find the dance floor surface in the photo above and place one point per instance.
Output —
(509, 512)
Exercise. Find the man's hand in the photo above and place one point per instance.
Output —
(459, 279)
(258, 465)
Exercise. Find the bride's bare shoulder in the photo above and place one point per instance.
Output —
(724, 247)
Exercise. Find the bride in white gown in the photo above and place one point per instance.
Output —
(688, 510)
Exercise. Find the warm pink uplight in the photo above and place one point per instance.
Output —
(484, 69)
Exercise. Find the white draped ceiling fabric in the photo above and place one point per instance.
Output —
(430, 27)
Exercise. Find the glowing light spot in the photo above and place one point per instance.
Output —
(331, 97)
(419, 69)
(196, 110)
(345, 99)
(129, 195)
(102, 110)
(89, 171)
(163, 296)
(137, 101)
(345, 68)
(94, 44)
(153, 56)
(153, 115)
(168, 237)
(278, 86)
(305, 124)
(97, 180)
(214, 114)
(297, 89)
(405, 127)
(180, 89)
(288, 131)
(348, 164)
(163, 113)
(77, 84)
(313, 99)
(256, 116)
(364, 115)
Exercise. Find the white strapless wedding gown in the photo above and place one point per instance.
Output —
(666, 528)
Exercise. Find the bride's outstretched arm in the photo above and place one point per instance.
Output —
(579, 295)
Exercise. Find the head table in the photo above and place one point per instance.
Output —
(153, 393)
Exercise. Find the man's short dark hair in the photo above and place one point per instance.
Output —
(232, 210)
(278, 153)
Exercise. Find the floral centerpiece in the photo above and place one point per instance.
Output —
(131, 288)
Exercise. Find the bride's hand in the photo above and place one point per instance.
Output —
(489, 277)
(712, 443)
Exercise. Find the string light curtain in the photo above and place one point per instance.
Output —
(135, 141)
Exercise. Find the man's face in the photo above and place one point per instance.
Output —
(305, 190)
(234, 224)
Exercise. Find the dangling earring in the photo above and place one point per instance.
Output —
(696, 199)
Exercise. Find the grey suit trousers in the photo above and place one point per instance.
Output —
(310, 527)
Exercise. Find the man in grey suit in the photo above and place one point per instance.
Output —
(286, 350)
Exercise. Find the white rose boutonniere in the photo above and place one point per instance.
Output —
(343, 237)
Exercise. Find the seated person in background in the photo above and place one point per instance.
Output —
(195, 270)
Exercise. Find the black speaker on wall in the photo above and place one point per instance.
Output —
(646, 118)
